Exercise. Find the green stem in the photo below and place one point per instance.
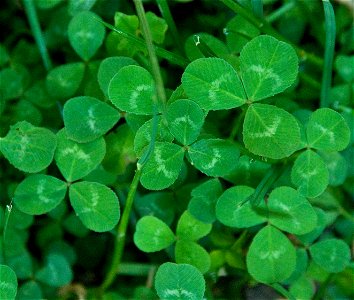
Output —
(237, 125)
(322, 290)
(257, 7)
(7, 216)
(345, 214)
(136, 269)
(166, 14)
(160, 90)
(140, 43)
(280, 289)
(266, 28)
(37, 32)
(280, 12)
(330, 25)
(121, 234)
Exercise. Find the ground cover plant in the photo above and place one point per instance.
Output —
(176, 149)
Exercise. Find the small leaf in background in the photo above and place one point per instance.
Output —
(56, 271)
(96, 205)
(188, 252)
(29, 148)
(302, 261)
(76, 6)
(39, 194)
(110, 67)
(158, 27)
(76, 160)
(143, 135)
(87, 118)
(8, 283)
(132, 90)
(163, 167)
(239, 32)
(185, 120)
(45, 4)
(291, 212)
(21, 264)
(213, 84)
(63, 81)
(152, 234)
(86, 34)
(203, 202)
(29, 290)
(158, 204)
(303, 288)
(38, 95)
(270, 131)
(327, 130)
(333, 255)
(337, 167)
(214, 157)
(11, 85)
(191, 229)
(233, 211)
(344, 65)
(271, 256)
(120, 151)
(268, 67)
(175, 282)
(310, 174)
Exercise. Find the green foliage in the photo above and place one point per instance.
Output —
(224, 135)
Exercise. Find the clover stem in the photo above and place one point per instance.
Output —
(237, 124)
(160, 90)
(257, 7)
(37, 32)
(121, 234)
(265, 27)
(280, 289)
(330, 27)
(280, 11)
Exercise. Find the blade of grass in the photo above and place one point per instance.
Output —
(203, 47)
(281, 11)
(166, 14)
(140, 43)
(266, 28)
(37, 32)
(280, 289)
(330, 28)
(257, 7)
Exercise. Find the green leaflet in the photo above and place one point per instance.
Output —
(158, 27)
(29, 148)
(311, 236)
(163, 167)
(271, 257)
(143, 135)
(86, 34)
(185, 120)
(39, 194)
(213, 84)
(270, 131)
(63, 81)
(110, 67)
(132, 90)
(96, 205)
(203, 202)
(8, 283)
(233, 210)
(191, 229)
(76, 160)
(87, 118)
(11, 84)
(214, 157)
(303, 288)
(327, 130)
(333, 255)
(75, 6)
(152, 234)
(344, 66)
(29, 290)
(310, 174)
(56, 272)
(337, 167)
(189, 252)
(268, 67)
(291, 212)
(175, 282)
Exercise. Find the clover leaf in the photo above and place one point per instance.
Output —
(190, 228)
(8, 283)
(270, 131)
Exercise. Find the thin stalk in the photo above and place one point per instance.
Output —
(323, 287)
(136, 269)
(166, 14)
(121, 234)
(140, 43)
(257, 7)
(237, 124)
(280, 289)
(160, 89)
(330, 25)
(266, 28)
(7, 216)
(37, 32)
(281, 11)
